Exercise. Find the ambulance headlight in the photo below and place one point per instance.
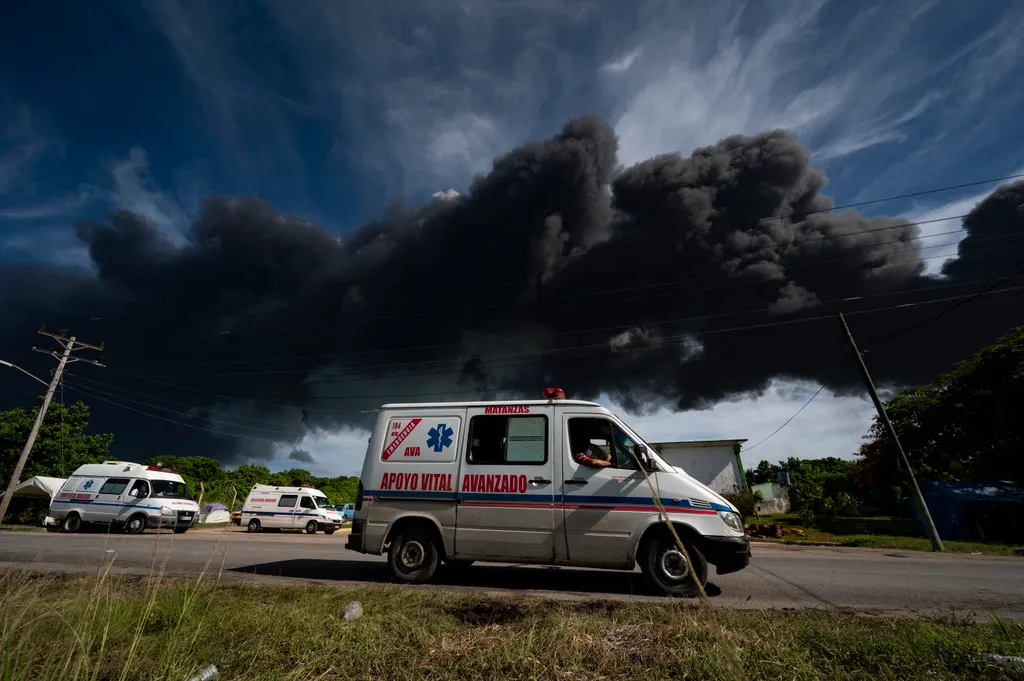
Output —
(731, 519)
(167, 511)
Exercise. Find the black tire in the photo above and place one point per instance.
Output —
(180, 530)
(414, 555)
(135, 525)
(665, 567)
(458, 564)
(253, 526)
(312, 527)
(72, 523)
(329, 530)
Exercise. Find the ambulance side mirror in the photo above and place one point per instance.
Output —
(640, 452)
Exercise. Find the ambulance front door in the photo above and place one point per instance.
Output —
(506, 485)
(602, 506)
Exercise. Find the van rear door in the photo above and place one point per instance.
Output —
(506, 485)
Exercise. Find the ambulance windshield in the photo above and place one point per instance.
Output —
(170, 489)
(322, 502)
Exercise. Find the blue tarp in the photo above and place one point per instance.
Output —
(951, 505)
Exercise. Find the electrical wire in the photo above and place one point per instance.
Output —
(512, 389)
(584, 331)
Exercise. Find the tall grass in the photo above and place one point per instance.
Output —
(110, 627)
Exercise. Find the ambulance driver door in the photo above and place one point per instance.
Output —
(506, 486)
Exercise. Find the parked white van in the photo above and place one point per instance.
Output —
(290, 508)
(127, 495)
(498, 481)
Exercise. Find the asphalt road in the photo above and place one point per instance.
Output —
(862, 580)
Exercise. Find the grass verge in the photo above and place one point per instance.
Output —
(879, 533)
(107, 627)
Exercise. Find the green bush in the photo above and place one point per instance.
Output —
(745, 502)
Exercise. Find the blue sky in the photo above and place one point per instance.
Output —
(331, 110)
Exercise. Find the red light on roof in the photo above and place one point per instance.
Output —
(153, 468)
(172, 470)
(554, 394)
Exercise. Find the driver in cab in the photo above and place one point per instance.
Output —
(586, 453)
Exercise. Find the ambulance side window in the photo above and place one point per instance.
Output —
(306, 502)
(114, 486)
(288, 500)
(504, 440)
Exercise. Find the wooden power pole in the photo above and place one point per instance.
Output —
(63, 359)
(922, 507)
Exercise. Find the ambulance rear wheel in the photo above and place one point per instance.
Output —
(254, 525)
(665, 566)
(413, 556)
(72, 523)
(311, 527)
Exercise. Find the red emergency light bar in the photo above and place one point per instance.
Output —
(554, 394)
(161, 469)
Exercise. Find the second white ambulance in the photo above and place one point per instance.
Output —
(499, 482)
(289, 508)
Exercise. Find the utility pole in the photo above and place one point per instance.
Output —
(69, 345)
(922, 507)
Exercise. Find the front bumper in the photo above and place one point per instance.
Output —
(180, 519)
(727, 554)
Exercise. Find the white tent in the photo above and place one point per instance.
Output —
(39, 487)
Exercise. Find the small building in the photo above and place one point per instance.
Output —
(774, 498)
(716, 463)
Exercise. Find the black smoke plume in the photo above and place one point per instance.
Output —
(679, 282)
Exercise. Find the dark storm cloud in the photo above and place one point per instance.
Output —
(557, 268)
(301, 456)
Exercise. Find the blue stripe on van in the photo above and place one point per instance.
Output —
(108, 503)
(540, 499)
(291, 515)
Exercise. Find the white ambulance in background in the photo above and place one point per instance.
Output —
(289, 508)
(497, 481)
(126, 495)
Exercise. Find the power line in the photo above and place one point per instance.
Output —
(604, 344)
(278, 358)
(515, 389)
(596, 292)
(805, 405)
(88, 393)
(966, 301)
(178, 413)
(952, 307)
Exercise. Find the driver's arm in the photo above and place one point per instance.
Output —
(587, 458)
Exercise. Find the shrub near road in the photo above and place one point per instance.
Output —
(116, 627)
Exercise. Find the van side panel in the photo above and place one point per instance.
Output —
(411, 469)
(507, 489)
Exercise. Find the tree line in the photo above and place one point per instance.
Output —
(966, 425)
(64, 444)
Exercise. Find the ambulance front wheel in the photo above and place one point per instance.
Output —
(254, 525)
(413, 556)
(72, 523)
(329, 530)
(667, 569)
(311, 527)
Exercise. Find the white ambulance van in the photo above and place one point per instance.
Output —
(289, 508)
(497, 481)
(126, 495)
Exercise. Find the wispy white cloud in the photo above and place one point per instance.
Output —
(135, 191)
(21, 144)
(623, 63)
(67, 205)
